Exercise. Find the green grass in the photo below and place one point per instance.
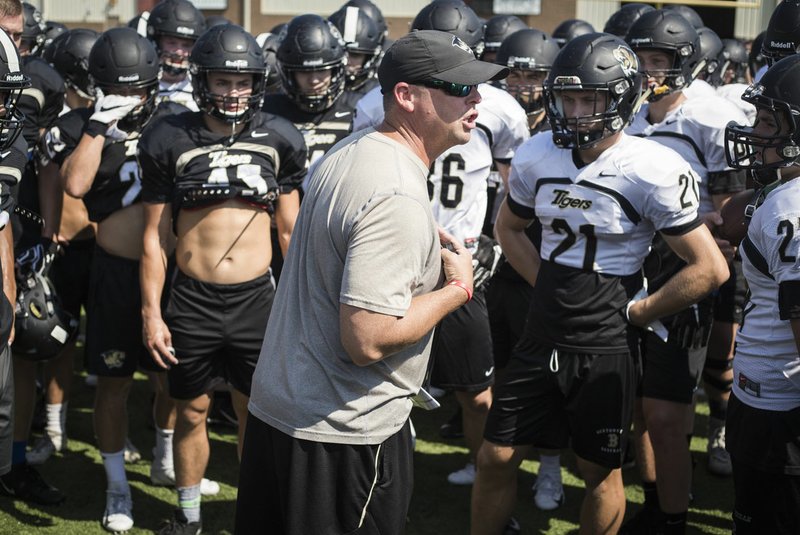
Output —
(436, 508)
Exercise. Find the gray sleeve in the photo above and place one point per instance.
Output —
(388, 247)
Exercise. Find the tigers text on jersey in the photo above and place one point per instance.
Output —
(179, 92)
(765, 343)
(696, 131)
(321, 130)
(186, 164)
(117, 183)
(43, 101)
(598, 221)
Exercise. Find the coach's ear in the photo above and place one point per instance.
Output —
(404, 96)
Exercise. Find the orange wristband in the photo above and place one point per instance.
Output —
(463, 286)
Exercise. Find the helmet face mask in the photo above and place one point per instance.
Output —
(34, 31)
(169, 21)
(12, 82)
(526, 86)
(363, 44)
(69, 55)
(593, 90)
(174, 53)
(529, 54)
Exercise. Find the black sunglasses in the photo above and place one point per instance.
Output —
(451, 88)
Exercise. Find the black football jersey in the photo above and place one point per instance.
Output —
(186, 164)
(43, 101)
(321, 130)
(117, 183)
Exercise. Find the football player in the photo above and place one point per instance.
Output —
(764, 410)
(570, 29)
(174, 26)
(98, 165)
(363, 42)
(498, 28)
(734, 75)
(600, 196)
(668, 47)
(217, 178)
(621, 20)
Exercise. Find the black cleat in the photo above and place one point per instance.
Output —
(25, 483)
(180, 526)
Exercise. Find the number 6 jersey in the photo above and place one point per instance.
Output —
(598, 221)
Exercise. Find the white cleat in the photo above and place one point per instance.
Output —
(164, 476)
(465, 476)
(549, 491)
(118, 516)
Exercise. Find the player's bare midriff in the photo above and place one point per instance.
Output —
(75, 224)
(227, 243)
(120, 234)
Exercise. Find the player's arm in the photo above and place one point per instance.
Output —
(509, 229)
(369, 336)
(7, 266)
(503, 169)
(705, 271)
(287, 207)
(152, 275)
(51, 200)
(80, 167)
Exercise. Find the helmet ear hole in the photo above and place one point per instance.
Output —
(42, 325)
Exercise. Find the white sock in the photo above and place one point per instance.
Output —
(56, 418)
(114, 463)
(162, 453)
(550, 463)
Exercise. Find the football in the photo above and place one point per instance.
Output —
(734, 222)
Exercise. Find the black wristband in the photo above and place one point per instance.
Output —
(95, 128)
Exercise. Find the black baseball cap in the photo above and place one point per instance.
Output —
(425, 55)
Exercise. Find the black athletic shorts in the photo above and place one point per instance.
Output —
(670, 372)
(6, 409)
(547, 398)
(298, 487)
(70, 275)
(730, 298)
(217, 331)
(114, 344)
(462, 348)
(765, 450)
(507, 301)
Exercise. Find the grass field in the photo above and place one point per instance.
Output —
(437, 508)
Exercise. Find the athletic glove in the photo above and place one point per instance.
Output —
(656, 327)
(486, 260)
(37, 258)
(108, 110)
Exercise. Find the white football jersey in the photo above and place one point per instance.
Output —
(733, 93)
(699, 89)
(458, 179)
(696, 131)
(179, 92)
(765, 345)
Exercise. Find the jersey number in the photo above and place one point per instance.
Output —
(690, 189)
(129, 172)
(562, 227)
(248, 173)
(452, 173)
(785, 227)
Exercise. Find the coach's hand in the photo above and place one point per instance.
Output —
(456, 260)
(158, 341)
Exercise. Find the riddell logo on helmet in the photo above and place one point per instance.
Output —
(15, 77)
(184, 30)
(129, 78)
(238, 64)
(312, 62)
(640, 40)
(784, 45)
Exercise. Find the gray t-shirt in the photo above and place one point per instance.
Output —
(365, 237)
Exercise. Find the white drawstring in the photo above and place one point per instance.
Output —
(554, 361)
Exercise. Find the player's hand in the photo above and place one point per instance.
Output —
(457, 260)
(158, 341)
(713, 220)
(635, 313)
(108, 109)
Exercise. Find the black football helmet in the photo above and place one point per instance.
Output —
(755, 58)
(497, 29)
(69, 55)
(312, 43)
(570, 29)
(52, 30)
(527, 50)
(710, 51)
(601, 63)
(621, 20)
(12, 82)
(42, 326)
(733, 62)
(139, 23)
(228, 48)
(361, 36)
(692, 16)
(216, 20)
(777, 93)
(783, 32)
(33, 30)
(269, 45)
(668, 32)
(372, 12)
(122, 58)
(176, 18)
(452, 16)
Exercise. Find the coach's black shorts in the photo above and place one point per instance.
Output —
(507, 301)
(298, 487)
(765, 450)
(6, 409)
(670, 372)
(217, 331)
(462, 348)
(70, 275)
(730, 298)
(114, 345)
(548, 397)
